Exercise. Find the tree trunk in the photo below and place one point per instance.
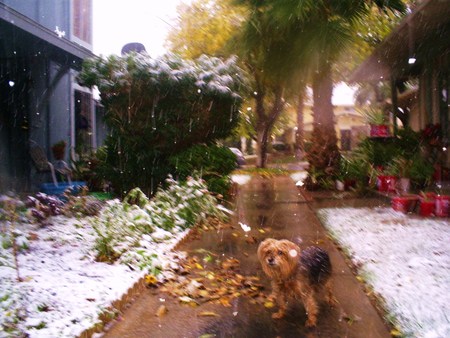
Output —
(265, 123)
(324, 155)
(300, 133)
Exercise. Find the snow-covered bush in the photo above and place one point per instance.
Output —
(157, 108)
(125, 231)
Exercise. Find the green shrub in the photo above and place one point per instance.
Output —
(212, 163)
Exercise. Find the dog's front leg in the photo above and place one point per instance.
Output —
(281, 301)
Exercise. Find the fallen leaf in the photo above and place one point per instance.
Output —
(208, 314)
(186, 299)
(151, 280)
(269, 304)
(251, 240)
(208, 259)
(225, 301)
(396, 333)
(203, 293)
(162, 310)
(230, 264)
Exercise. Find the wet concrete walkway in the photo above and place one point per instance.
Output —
(272, 207)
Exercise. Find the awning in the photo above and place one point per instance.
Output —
(18, 30)
(423, 34)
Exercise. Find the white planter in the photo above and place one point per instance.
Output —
(340, 186)
(404, 184)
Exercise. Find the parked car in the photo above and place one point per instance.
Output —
(240, 159)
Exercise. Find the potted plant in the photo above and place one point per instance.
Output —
(421, 171)
(378, 121)
(59, 150)
(401, 168)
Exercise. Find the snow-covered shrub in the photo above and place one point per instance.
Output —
(126, 231)
(156, 108)
(42, 206)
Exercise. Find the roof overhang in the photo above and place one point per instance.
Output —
(422, 34)
(37, 39)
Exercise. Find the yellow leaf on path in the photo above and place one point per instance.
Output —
(396, 333)
(269, 304)
(203, 293)
(150, 280)
(262, 231)
(225, 301)
(198, 266)
(162, 310)
(186, 299)
(208, 314)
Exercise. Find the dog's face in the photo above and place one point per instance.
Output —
(279, 258)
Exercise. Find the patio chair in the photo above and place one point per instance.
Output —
(42, 164)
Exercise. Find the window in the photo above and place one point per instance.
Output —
(83, 123)
(81, 20)
(346, 140)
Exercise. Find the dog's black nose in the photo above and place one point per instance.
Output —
(270, 260)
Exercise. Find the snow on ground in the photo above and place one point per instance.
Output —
(241, 179)
(405, 258)
(64, 288)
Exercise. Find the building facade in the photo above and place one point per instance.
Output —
(42, 46)
(415, 60)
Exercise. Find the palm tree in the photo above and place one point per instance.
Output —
(263, 47)
(328, 28)
(283, 39)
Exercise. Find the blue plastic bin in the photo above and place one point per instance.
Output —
(51, 189)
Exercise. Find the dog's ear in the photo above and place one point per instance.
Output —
(291, 248)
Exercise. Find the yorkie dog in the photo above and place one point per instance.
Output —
(295, 273)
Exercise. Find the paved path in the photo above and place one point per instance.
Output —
(275, 206)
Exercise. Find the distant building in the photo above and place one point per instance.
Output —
(42, 47)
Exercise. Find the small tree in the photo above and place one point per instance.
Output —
(156, 108)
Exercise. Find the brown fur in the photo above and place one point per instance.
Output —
(292, 275)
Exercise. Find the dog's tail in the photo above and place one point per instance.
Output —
(316, 262)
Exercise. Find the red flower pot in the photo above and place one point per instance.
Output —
(427, 204)
(405, 204)
(379, 130)
(442, 205)
(386, 183)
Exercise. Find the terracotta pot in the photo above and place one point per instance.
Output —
(386, 183)
(442, 205)
(59, 152)
(405, 203)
